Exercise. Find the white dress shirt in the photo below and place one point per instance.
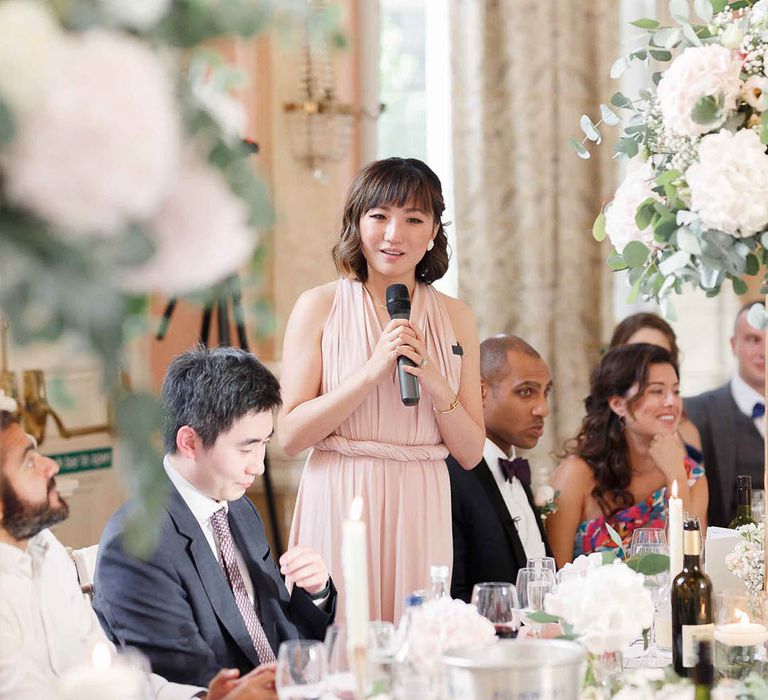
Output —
(46, 625)
(746, 398)
(203, 507)
(516, 501)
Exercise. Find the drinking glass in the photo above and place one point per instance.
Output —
(645, 536)
(525, 577)
(340, 681)
(657, 586)
(542, 563)
(498, 603)
(758, 505)
(382, 645)
(301, 670)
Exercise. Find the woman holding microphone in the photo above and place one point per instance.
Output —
(342, 394)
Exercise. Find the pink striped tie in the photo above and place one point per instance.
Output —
(223, 536)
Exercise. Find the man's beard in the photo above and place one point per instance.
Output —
(22, 519)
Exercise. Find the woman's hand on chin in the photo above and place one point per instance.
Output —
(668, 453)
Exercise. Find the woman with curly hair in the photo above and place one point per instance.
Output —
(620, 467)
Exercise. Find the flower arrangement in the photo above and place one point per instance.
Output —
(442, 624)
(123, 172)
(747, 560)
(693, 206)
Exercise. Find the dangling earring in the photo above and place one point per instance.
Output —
(430, 245)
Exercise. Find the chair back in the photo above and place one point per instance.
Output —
(85, 563)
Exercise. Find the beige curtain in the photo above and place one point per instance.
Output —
(523, 71)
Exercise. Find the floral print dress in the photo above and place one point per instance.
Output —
(593, 535)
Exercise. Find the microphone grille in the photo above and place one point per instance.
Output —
(398, 299)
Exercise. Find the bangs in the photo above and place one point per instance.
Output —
(396, 189)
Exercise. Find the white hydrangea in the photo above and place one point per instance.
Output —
(698, 72)
(29, 41)
(101, 149)
(620, 214)
(747, 560)
(608, 608)
(729, 183)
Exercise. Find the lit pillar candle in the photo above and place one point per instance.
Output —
(105, 678)
(675, 534)
(741, 634)
(354, 559)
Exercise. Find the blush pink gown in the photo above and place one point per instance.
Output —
(389, 454)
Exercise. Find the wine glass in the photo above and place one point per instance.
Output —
(542, 563)
(643, 536)
(758, 505)
(498, 603)
(301, 670)
(525, 577)
(657, 586)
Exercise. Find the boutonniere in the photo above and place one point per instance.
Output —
(545, 500)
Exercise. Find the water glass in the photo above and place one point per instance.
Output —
(301, 670)
(758, 505)
(643, 536)
(525, 577)
(382, 646)
(497, 602)
(658, 587)
(542, 563)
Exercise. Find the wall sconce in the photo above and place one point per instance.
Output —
(34, 408)
(320, 125)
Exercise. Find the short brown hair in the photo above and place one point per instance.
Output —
(636, 322)
(384, 183)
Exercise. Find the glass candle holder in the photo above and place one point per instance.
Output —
(741, 635)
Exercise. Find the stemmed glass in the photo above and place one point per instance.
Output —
(658, 586)
(498, 603)
(643, 536)
(542, 563)
(301, 670)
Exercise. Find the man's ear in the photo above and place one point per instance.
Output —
(187, 442)
(484, 389)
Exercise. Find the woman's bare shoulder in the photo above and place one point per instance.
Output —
(574, 470)
(462, 317)
(317, 299)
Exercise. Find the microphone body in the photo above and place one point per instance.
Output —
(399, 306)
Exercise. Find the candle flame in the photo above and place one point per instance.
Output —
(356, 510)
(743, 617)
(674, 489)
(101, 657)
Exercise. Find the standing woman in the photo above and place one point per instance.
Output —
(341, 394)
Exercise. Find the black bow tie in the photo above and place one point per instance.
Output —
(518, 467)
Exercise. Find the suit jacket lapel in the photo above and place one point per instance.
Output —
(725, 448)
(212, 576)
(483, 473)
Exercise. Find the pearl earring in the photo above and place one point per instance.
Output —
(430, 245)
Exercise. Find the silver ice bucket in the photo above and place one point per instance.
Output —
(530, 669)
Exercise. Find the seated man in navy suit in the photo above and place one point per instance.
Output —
(211, 596)
(495, 524)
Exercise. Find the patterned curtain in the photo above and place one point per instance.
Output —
(523, 71)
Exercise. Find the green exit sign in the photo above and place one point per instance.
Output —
(84, 460)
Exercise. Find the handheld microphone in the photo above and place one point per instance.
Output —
(399, 306)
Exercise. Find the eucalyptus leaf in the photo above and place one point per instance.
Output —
(542, 617)
(752, 265)
(618, 68)
(615, 537)
(739, 285)
(609, 557)
(598, 228)
(667, 305)
(635, 253)
(620, 100)
(690, 34)
(644, 214)
(627, 147)
(703, 9)
(589, 129)
(718, 5)
(609, 116)
(662, 55)
(687, 241)
(645, 23)
(679, 10)
(667, 37)
(648, 563)
(582, 152)
(708, 111)
(757, 317)
(674, 262)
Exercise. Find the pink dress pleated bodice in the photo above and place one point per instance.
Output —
(389, 454)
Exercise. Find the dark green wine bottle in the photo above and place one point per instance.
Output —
(691, 604)
(703, 674)
(743, 502)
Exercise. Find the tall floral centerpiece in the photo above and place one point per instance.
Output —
(123, 172)
(693, 206)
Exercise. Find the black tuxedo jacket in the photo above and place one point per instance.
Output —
(486, 544)
(177, 606)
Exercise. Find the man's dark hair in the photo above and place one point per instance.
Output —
(494, 363)
(6, 418)
(209, 389)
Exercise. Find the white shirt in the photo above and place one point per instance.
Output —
(203, 507)
(746, 398)
(516, 501)
(46, 625)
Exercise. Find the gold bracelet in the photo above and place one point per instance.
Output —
(451, 409)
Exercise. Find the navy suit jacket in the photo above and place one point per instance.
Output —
(177, 606)
(486, 544)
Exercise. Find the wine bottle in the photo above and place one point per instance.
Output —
(743, 502)
(691, 604)
(703, 674)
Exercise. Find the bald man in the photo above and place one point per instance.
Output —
(495, 523)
